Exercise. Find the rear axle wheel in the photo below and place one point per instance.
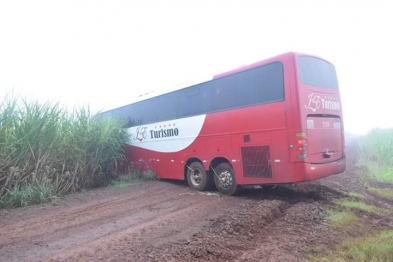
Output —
(225, 180)
(197, 177)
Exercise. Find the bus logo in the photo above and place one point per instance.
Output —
(316, 102)
(164, 133)
(140, 133)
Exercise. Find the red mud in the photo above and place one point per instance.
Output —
(166, 221)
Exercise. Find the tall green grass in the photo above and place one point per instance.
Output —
(377, 154)
(377, 146)
(43, 144)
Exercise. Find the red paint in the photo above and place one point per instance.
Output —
(276, 125)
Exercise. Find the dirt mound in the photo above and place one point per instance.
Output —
(228, 236)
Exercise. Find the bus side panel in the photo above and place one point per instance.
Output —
(165, 165)
(225, 133)
(280, 159)
(276, 142)
(287, 116)
(247, 146)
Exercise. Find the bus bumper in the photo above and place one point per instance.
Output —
(317, 171)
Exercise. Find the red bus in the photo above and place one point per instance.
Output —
(272, 122)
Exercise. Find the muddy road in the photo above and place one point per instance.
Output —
(167, 221)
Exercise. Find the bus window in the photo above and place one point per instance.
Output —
(270, 83)
(317, 72)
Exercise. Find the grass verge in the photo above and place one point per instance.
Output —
(133, 178)
(377, 146)
(377, 172)
(375, 169)
(357, 205)
(365, 249)
(356, 195)
(382, 192)
(126, 180)
(377, 155)
(342, 219)
(27, 195)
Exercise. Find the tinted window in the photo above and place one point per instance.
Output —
(198, 99)
(263, 84)
(317, 72)
(224, 93)
(244, 91)
(259, 85)
(270, 83)
(168, 107)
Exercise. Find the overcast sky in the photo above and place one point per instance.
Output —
(106, 53)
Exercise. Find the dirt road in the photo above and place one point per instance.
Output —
(166, 221)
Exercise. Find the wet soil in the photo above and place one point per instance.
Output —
(167, 221)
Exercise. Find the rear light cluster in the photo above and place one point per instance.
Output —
(301, 145)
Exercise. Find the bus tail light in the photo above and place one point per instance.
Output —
(301, 145)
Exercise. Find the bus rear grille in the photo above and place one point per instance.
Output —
(256, 161)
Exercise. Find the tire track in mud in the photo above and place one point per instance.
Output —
(160, 222)
(140, 215)
(223, 239)
(167, 222)
(151, 231)
(241, 230)
(227, 237)
(76, 216)
(70, 211)
(290, 237)
(247, 230)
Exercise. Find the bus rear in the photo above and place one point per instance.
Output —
(319, 139)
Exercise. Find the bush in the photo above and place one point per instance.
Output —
(377, 146)
(23, 196)
(377, 155)
(43, 144)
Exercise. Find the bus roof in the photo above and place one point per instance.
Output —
(253, 65)
(153, 94)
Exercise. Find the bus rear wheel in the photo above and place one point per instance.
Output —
(197, 178)
(225, 180)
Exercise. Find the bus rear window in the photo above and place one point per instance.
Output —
(317, 72)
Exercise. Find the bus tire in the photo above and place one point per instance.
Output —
(225, 180)
(197, 177)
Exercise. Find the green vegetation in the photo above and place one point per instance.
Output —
(316, 250)
(364, 176)
(342, 219)
(126, 180)
(46, 150)
(382, 192)
(23, 196)
(378, 172)
(356, 195)
(361, 206)
(377, 155)
(377, 161)
(377, 146)
(375, 170)
(133, 178)
(367, 249)
(383, 174)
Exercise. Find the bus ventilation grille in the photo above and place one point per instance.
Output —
(256, 161)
